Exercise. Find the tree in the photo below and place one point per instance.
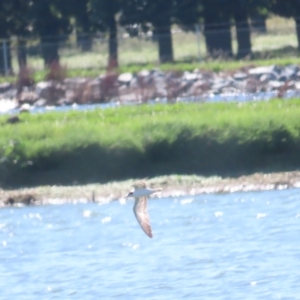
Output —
(187, 13)
(6, 22)
(240, 10)
(21, 28)
(83, 25)
(289, 9)
(216, 15)
(156, 15)
(103, 17)
(50, 20)
(160, 16)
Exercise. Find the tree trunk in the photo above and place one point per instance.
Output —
(258, 23)
(297, 22)
(5, 58)
(165, 48)
(113, 44)
(218, 38)
(22, 53)
(243, 33)
(49, 50)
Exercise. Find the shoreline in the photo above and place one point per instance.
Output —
(172, 185)
(245, 83)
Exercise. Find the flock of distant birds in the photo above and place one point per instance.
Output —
(140, 193)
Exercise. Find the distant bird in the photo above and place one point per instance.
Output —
(141, 193)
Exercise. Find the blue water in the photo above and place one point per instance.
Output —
(230, 246)
(239, 97)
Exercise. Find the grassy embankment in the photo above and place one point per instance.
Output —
(150, 140)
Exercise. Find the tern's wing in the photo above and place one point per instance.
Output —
(141, 214)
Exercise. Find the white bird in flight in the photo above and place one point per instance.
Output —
(141, 193)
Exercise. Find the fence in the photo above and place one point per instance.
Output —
(279, 40)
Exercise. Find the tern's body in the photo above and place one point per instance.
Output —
(141, 193)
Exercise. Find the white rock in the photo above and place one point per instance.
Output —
(7, 104)
(42, 85)
(275, 84)
(190, 76)
(240, 76)
(262, 70)
(125, 78)
(26, 107)
(144, 73)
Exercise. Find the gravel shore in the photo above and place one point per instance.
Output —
(173, 186)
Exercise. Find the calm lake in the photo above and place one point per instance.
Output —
(229, 246)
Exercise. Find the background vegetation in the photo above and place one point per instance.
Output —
(46, 24)
(150, 140)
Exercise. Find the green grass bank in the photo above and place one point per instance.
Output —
(150, 140)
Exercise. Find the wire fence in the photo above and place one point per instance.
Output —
(91, 51)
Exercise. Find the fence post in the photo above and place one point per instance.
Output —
(198, 40)
(5, 57)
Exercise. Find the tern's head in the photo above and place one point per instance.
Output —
(130, 194)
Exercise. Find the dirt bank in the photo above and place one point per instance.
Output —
(173, 186)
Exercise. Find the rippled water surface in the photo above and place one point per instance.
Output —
(231, 246)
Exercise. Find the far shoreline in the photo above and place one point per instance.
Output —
(172, 185)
